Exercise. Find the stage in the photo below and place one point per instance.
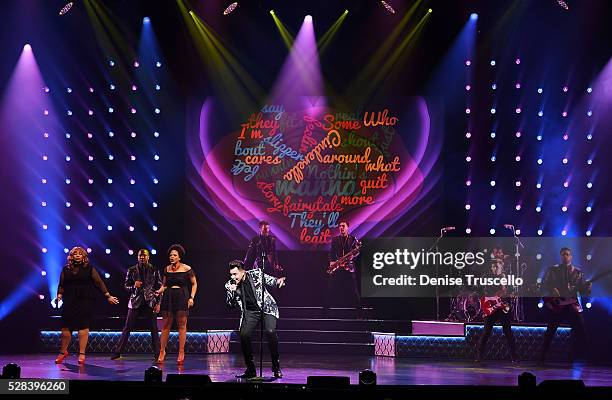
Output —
(297, 367)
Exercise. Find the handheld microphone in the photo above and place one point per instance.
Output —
(448, 228)
(508, 226)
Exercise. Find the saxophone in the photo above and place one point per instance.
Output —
(344, 261)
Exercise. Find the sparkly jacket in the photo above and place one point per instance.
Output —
(236, 297)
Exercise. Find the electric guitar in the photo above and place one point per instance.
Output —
(556, 303)
(490, 304)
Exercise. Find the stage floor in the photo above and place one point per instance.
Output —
(296, 368)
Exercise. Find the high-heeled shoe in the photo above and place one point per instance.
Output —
(81, 358)
(161, 357)
(60, 358)
(181, 358)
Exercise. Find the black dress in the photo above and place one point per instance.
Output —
(174, 300)
(78, 286)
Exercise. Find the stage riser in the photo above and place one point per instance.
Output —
(528, 344)
(140, 342)
(332, 348)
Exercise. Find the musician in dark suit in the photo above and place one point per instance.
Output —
(501, 312)
(262, 245)
(341, 245)
(141, 281)
(563, 282)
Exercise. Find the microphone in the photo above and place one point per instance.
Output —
(448, 228)
(508, 226)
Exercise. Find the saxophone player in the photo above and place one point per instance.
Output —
(345, 249)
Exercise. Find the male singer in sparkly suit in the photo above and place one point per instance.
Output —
(141, 281)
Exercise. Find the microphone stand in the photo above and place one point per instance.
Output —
(518, 314)
(435, 246)
(261, 322)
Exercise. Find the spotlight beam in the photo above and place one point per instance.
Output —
(285, 34)
(327, 37)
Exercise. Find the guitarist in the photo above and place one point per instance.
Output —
(263, 244)
(563, 282)
(341, 245)
(500, 313)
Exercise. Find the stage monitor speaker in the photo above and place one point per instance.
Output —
(563, 386)
(153, 375)
(188, 379)
(367, 377)
(328, 381)
(11, 371)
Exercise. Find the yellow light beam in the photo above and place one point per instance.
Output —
(285, 34)
(325, 40)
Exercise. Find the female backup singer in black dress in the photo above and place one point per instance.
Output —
(176, 300)
(77, 289)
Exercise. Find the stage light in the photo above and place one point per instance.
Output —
(154, 227)
(68, 204)
(564, 114)
(565, 89)
(589, 209)
(155, 181)
(563, 232)
(493, 111)
(540, 113)
(157, 111)
(136, 64)
(589, 90)
(468, 62)
(133, 135)
(517, 61)
(387, 6)
(110, 204)
(493, 207)
(230, 8)
(90, 181)
(494, 86)
(467, 87)
(518, 231)
(271, 12)
(589, 113)
(131, 229)
(111, 157)
(589, 185)
(46, 135)
(111, 134)
(538, 185)
(493, 134)
(346, 11)
(153, 375)
(541, 302)
(43, 273)
(493, 158)
(89, 250)
(492, 63)
(563, 4)
(492, 231)
(468, 183)
(69, 113)
(518, 85)
(588, 305)
(588, 233)
(107, 251)
(134, 88)
(518, 110)
(112, 87)
(473, 16)
(157, 87)
(518, 134)
(45, 226)
(517, 158)
(589, 161)
(154, 204)
(492, 183)
(468, 135)
(109, 180)
(68, 181)
(11, 371)
(467, 111)
(538, 209)
(146, 20)
(133, 111)
(68, 90)
(467, 207)
(44, 250)
(153, 251)
(111, 63)
(517, 183)
(89, 227)
(565, 184)
(517, 207)
(156, 134)
(430, 10)
(106, 275)
(367, 377)
(131, 205)
(468, 230)
(41, 296)
(308, 18)
(131, 252)
(46, 89)
(67, 227)
(109, 228)
(89, 136)
(539, 137)
(467, 159)
(43, 181)
(132, 181)
(46, 112)
(91, 90)
(540, 90)
(158, 65)
(564, 208)
(27, 47)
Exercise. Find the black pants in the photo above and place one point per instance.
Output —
(337, 285)
(143, 311)
(576, 321)
(249, 323)
(504, 319)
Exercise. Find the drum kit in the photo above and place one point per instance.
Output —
(465, 305)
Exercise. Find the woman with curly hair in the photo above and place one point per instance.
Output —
(179, 289)
(77, 286)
